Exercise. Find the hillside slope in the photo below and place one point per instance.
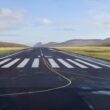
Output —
(6, 44)
(80, 42)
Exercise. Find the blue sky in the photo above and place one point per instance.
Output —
(31, 21)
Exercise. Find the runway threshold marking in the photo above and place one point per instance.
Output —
(4, 61)
(11, 63)
(35, 63)
(77, 64)
(68, 83)
(65, 63)
(53, 63)
(89, 64)
(48, 56)
(23, 63)
(87, 59)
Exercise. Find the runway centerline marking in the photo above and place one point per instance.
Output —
(23, 63)
(77, 64)
(89, 64)
(68, 83)
(65, 63)
(4, 61)
(35, 63)
(11, 63)
(39, 56)
(53, 63)
(41, 52)
(47, 56)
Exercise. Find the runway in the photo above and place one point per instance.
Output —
(50, 79)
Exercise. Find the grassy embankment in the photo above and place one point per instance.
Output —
(8, 50)
(97, 52)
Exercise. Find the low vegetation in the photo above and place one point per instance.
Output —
(97, 52)
(8, 50)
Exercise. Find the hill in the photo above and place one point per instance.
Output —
(80, 42)
(6, 44)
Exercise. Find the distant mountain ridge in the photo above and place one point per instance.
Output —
(6, 44)
(80, 42)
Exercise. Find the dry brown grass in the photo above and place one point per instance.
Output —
(8, 50)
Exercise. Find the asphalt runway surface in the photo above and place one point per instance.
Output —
(50, 79)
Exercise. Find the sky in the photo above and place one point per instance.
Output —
(32, 21)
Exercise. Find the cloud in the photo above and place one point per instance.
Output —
(98, 15)
(10, 19)
(100, 19)
(11, 35)
(101, 25)
(44, 21)
(98, 4)
(68, 29)
(106, 25)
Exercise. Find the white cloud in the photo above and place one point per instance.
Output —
(98, 4)
(99, 15)
(10, 19)
(44, 21)
(68, 29)
(65, 28)
(100, 19)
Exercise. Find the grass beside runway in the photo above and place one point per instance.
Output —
(8, 50)
(97, 52)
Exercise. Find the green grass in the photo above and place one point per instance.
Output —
(97, 52)
(8, 50)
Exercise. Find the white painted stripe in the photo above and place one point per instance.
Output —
(4, 61)
(39, 56)
(77, 64)
(23, 63)
(87, 59)
(35, 63)
(48, 56)
(11, 63)
(66, 64)
(89, 64)
(53, 63)
(41, 53)
(101, 92)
